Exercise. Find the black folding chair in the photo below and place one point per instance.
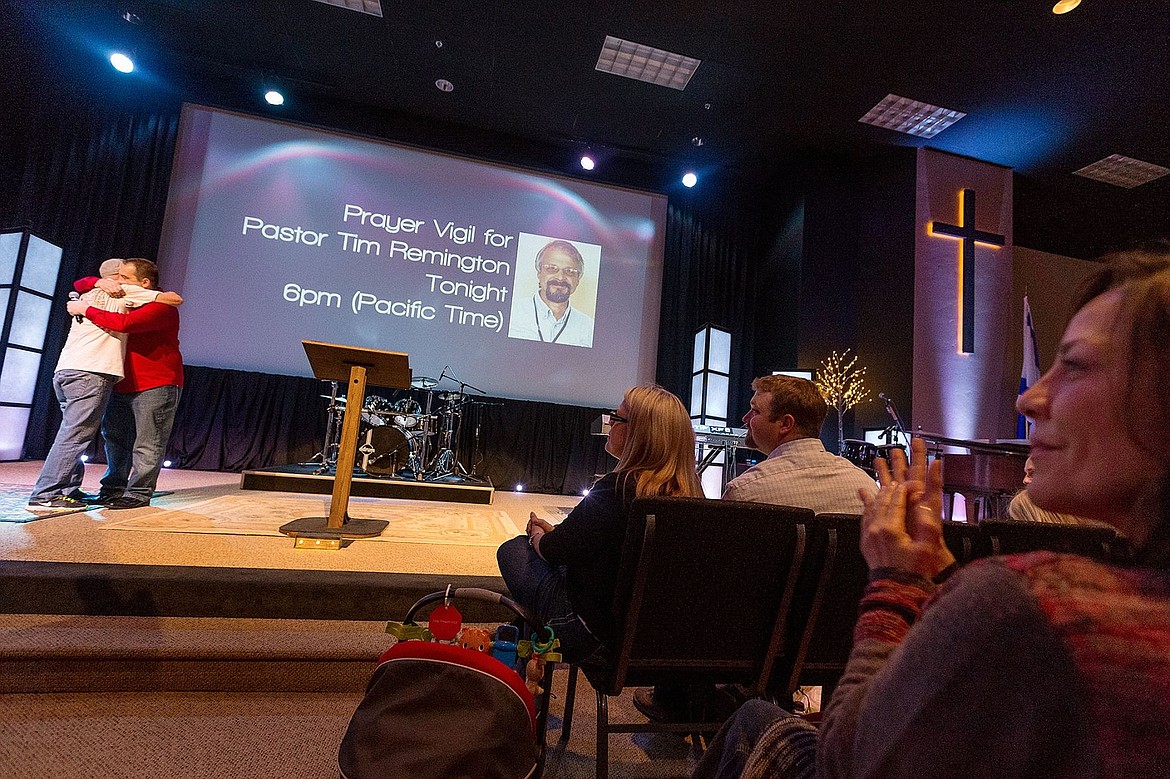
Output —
(830, 586)
(704, 589)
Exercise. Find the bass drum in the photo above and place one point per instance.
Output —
(860, 453)
(388, 449)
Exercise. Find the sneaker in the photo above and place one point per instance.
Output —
(59, 503)
(646, 702)
(102, 497)
(126, 502)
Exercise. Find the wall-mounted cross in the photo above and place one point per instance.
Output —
(966, 231)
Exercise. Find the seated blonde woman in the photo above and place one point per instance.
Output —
(1028, 665)
(1022, 509)
(566, 575)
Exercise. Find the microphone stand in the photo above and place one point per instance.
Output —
(892, 410)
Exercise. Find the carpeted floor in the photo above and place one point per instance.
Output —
(282, 736)
(262, 513)
(14, 505)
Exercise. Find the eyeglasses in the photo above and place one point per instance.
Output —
(615, 417)
(552, 270)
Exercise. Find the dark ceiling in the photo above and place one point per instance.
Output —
(1044, 94)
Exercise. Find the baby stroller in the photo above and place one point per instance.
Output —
(436, 709)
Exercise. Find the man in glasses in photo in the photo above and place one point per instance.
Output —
(548, 315)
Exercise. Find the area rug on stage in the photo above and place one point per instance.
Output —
(262, 514)
(14, 500)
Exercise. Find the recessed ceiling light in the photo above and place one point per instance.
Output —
(1064, 6)
(443, 85)
(645, 63)
(587, 162)
(371, 7)
(121, 62)
(689, 179)
(1122, 171)
(273, 97)
(911, 116)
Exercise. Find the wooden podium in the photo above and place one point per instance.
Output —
(357, 366)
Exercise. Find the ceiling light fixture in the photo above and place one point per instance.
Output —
(121, 62)
(911, 116)
(587, 162)
(443, 85)
(1122, 171)
(273, 97)
(689, 179)
(645, 63)
(1064, 6)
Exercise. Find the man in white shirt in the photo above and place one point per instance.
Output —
(548, 315)
(784, 422)
(87, 370)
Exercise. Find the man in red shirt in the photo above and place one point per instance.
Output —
(140, 414)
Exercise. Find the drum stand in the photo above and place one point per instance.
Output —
(328, 454)
(446, 465)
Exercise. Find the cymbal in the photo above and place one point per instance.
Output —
(340, 398)
(423, 382)
(451, 396)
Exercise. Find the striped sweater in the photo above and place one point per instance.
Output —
(1028, 665)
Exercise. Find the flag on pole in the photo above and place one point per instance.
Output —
(1029, 371)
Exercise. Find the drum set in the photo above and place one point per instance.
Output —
(404, 438)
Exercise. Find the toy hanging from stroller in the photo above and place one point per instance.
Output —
(437, 708)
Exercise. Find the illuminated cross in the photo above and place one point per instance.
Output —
(966, 231)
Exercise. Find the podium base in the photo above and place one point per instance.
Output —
(318, 528)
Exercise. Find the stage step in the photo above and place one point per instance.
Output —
(81, 654)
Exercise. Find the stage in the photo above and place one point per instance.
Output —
(210, 548)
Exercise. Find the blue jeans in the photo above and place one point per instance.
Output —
(540, 588)
(788, 752)
(136, 428)
(83, 396)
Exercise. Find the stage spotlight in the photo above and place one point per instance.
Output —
(689, 179)
(121, 62)
(166, 463)
(584, 493)
(587, 162)
(518, 488)
(85, 458)
(273, 97)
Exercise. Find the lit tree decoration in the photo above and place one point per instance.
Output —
(843, 386)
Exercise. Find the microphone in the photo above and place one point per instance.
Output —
(74, 296)
(892, 410)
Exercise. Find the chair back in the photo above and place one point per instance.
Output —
(1002, 536)
(829, 590)
(704, 589)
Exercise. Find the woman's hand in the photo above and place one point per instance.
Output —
(535, 522)
(535, 529)
(901, 526)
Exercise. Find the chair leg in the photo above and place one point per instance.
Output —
(602, 736)
(570, 701)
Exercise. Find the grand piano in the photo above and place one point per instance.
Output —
(987, 476)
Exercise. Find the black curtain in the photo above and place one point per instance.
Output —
(712, 269)
(94, 181)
